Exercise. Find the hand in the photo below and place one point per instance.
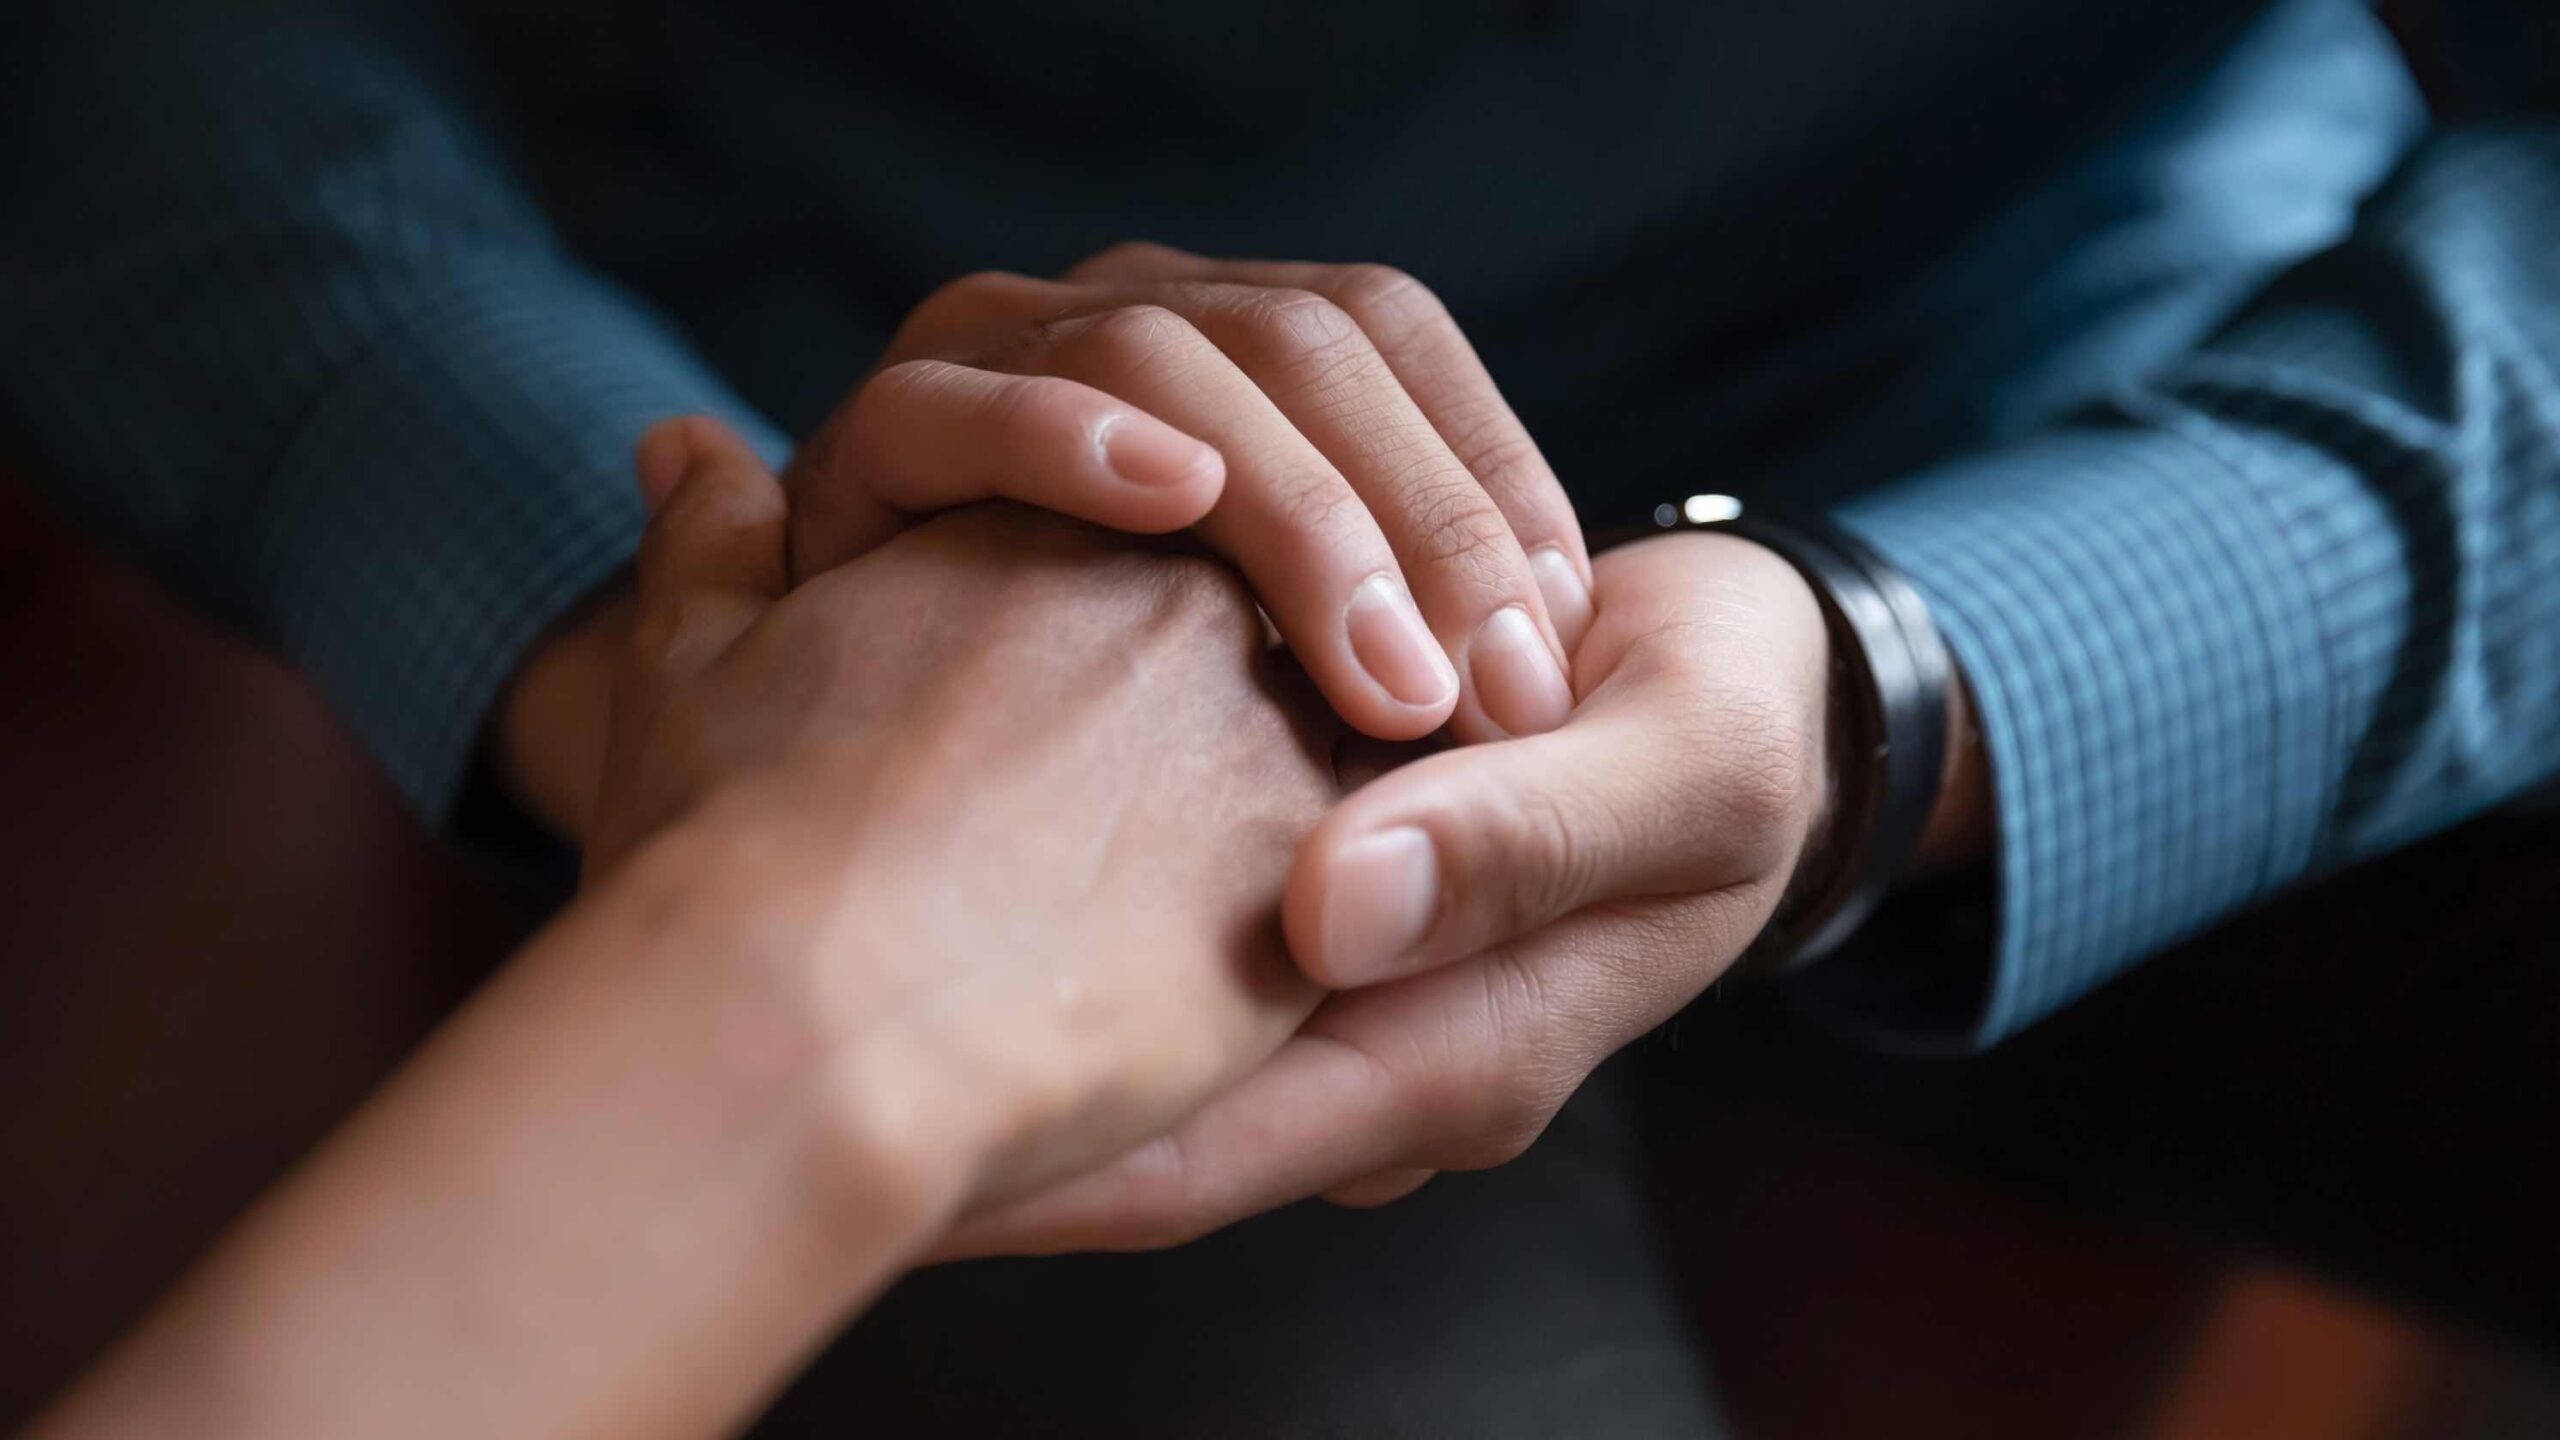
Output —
(1325, 428)
(1504, 917)
(1031, 784)
(953, 871)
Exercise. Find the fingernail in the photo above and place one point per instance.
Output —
(1518, 684)
(1390, 641)
(1381, 895)
(1568, 599)
(1145, 451)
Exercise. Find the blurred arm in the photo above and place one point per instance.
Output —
(625, 1191)
(2283, 604)
(272, 314)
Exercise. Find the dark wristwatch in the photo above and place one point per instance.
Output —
(1890, 674)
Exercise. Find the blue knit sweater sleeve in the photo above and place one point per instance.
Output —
(273, 315)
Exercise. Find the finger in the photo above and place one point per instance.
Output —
(1382, 461)
(1316, 1113)
(1459, 1069)
(1463, 850)
(1433, 360)
(1466, 569)
(927, 435)
(712, 559)
(1384, 1188)
(1315, 556)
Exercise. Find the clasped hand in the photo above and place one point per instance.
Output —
(1074, 801)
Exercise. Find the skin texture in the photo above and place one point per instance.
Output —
(856, 954)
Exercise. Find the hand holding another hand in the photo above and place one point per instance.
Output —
(1019, 795)
(1499, 918)
(1504, 917)
(1326, 429)
(945, 875)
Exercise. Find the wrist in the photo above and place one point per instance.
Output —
(835, 1024)
(1885, 720)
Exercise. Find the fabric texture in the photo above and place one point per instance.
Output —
(282, 325)
(2210, 405)
(2290, 601)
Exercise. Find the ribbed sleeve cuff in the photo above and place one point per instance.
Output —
(2145, 651)
(457, 492)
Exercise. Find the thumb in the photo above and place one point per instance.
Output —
(712, 559)
(1466, 849)
(927, 435)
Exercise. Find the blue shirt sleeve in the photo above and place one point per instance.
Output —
(2287, 602)
(273, 316)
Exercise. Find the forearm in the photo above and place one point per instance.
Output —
(623, 1192)
(279, 320)
(2275, 607)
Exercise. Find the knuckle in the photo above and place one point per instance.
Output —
(1126, 342)
(1127, 257)
(1769, 767)
(1158, 1230)
(1169, 1202)
(1484, 1101)
(893, 391)
(1203, 592)
(1038, 409)
(1456, 527)
(955, 300)
(1327, 510)
(1498, 451)
(894, 384)
(1508, 1117)
(1445, 1109)
(1507, 462)
(1179, 1216)
(1391, 305)
(1496, 448)
(1553, 855)
(1303, 318)
(975, 284)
